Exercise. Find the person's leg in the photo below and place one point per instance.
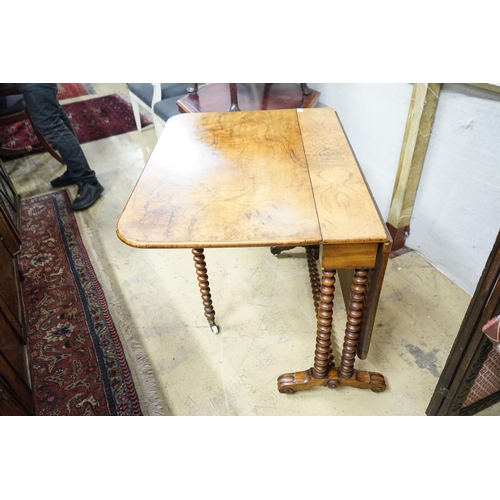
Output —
(52, 121)
(50, 118)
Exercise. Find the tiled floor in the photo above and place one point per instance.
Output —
(263, 305)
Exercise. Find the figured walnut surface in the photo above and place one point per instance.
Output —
(224, 180)
(346, 211)
(350, 223)
(256, 178)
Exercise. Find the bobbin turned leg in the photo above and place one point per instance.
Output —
(324, 373)
(353, 326)
(313, 274)
(312, 253)
(201, 274)
(346, 372)
(323, 359)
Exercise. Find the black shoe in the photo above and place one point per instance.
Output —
(87, 195)
(62, 180)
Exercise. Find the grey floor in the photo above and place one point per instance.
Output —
(263, 305)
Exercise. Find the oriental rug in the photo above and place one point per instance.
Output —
(76, 357)
(92, 119)
(68, 90)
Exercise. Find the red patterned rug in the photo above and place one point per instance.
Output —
(92, 119)
(76, 358)
(68, 90)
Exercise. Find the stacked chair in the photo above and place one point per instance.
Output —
(159, 99)
(13, 110)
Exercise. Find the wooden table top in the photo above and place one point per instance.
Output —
(251, 178)
(347, 212)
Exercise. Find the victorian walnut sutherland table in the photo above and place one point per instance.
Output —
(279, 178)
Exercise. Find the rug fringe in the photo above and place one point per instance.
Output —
(152, 404)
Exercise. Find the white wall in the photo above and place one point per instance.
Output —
(457, 210)
(374, 118)
(456, 216)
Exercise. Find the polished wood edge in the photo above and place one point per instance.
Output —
(217, 244)
(289, 383)
(182, 107)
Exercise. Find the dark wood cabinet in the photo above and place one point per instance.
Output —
(15, 387)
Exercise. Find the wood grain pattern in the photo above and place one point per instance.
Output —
(345, 207)
(224, 180)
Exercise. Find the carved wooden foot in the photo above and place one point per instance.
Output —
(201, 274)
(324, 373)
(300, 381)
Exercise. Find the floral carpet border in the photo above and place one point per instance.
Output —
(61, 282)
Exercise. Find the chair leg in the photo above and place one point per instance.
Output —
(136, 111)
(15, 152)
(47, 146)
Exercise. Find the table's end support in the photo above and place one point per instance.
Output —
(277, 249)
(299, 381)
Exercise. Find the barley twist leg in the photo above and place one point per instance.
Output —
(201, 274)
